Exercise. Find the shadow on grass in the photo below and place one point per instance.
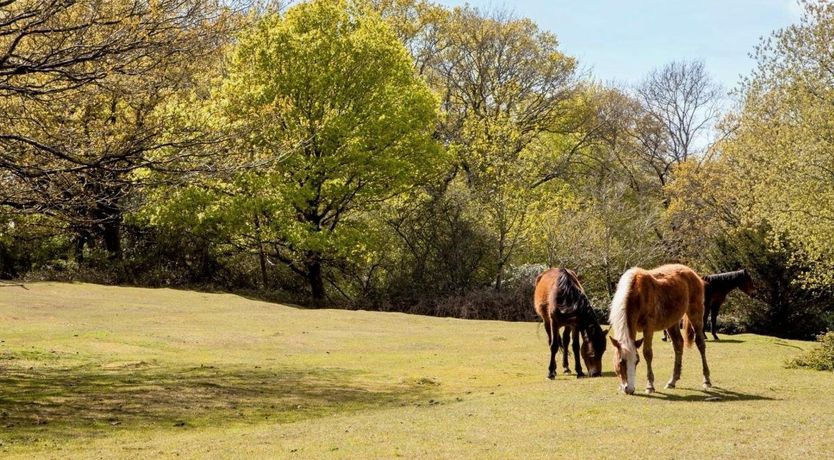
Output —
(62, 402)
(722, 340)
(782, 343)
(714, 394)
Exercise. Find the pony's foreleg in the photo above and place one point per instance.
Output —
(576, 358)
(553, 345)
(648, 354)
(677, 344)
(565, 343)
(700, 341)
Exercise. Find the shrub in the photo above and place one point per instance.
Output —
(820, 358)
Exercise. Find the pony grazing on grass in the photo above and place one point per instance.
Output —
(654, 300)
(716, 288)
(560, 301)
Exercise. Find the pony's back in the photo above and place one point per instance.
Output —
(559, 289)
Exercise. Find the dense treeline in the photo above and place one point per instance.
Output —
(396, 154)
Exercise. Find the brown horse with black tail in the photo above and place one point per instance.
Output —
(560, 301)
(654, 300)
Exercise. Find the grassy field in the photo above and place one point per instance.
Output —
(106, 372)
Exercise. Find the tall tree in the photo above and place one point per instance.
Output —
(503, 83)
(680, 105)
(330, 91)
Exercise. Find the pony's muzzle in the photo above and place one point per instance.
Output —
(628, 390)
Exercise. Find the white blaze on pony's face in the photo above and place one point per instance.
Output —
(625, 364)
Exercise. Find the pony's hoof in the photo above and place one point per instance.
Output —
(649, 390)
(551, 376)
(707, 385)
(566, 371)
(670, 386)
(581, 376)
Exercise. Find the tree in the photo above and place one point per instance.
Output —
(780, 146)
(679, 106)
(503, 83)
(329, 91)
(84, 88)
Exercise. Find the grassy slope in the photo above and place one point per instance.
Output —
(122, 372)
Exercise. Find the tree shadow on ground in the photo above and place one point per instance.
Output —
(62, 402)
(782, 343)
(714, 394)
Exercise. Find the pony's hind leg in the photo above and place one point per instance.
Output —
(553, 344)
(648, 354)
(700, 341)
(565, 343)
(576, 358)
(677, 343)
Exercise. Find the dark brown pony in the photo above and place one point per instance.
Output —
(560, 301)
(654, 300)
(716, 288)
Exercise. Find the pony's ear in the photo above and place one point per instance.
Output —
(638, 343)
(614, 342)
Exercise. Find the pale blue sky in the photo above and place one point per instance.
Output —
(621, 41)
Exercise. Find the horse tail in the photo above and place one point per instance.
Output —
(688, 331)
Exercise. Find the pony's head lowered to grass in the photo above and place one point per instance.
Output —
(592, 348)
(625, 363)
(625, 347)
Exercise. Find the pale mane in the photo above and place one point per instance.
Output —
(617, 318)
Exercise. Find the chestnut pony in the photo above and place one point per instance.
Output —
(560, 301)
(654, 300)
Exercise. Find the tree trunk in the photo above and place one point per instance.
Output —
(81, 238)
(499, 277)
(111, 232)
(261, 253)
(314, 277)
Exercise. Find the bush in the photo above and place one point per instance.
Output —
(489, 304)
(820, 358)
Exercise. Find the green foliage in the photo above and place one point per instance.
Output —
(780, 148)
(820, 358)
(398, 154)
(331, 123)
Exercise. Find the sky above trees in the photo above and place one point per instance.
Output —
(622, 41)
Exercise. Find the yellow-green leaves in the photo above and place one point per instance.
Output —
(781, 151)
(326, 97)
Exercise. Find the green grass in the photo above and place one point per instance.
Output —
(105, 372)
